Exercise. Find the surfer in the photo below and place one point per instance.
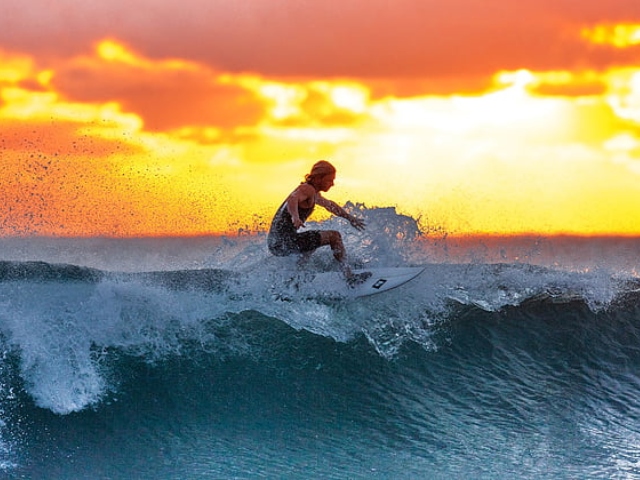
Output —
(284, 238)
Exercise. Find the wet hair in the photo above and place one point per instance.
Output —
(319, 169)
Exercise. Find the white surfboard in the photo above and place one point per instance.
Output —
(333, 284)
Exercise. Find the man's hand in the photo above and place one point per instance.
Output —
(357, 223)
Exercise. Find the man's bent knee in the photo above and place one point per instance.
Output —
(331, 237)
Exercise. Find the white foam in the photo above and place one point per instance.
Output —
(60, 330)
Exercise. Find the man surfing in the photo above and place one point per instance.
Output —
(284, 239)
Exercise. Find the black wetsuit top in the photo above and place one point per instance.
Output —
(284, 239)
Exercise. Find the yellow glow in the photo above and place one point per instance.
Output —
(349, 96)
(13, 69)
(44, 77)
(624, 142)
(114, 51)
(620, 36)
(511, 106)
(286, 99)
(206, 134)
(625, 151)
(329, 135)
(508, 160)
(518, 79)
(25, 104)
(554, 77)
(354, 98)
(624, 96)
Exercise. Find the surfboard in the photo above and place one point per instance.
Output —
(333, 284)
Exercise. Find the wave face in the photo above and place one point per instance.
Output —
(221, 369)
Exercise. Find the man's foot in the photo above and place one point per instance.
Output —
(356, 279)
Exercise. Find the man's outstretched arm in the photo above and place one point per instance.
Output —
(338, 211)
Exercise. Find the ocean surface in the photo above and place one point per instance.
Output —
(198, 359)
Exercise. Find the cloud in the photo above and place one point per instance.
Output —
(372, 39)
(190, 118)
(194, 101)
(167, 94)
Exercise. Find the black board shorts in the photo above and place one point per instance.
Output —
(299, 243)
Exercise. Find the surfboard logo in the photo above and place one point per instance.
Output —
(379, 283)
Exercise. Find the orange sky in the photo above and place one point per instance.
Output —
(199, 116)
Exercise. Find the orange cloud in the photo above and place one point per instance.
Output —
(166, 94)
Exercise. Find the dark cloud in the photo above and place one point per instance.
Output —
(352, 38)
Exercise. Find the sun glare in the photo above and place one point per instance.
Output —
(349, 96)
(624, 97)
(510, 106)
(285, 99)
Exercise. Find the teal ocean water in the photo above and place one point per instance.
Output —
(182, 358)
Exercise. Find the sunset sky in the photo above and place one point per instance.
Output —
(155, 117)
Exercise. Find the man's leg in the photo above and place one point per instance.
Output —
(334, 240)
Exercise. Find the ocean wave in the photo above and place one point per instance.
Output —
(213, 343)
(539, 373)
(63, 320)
